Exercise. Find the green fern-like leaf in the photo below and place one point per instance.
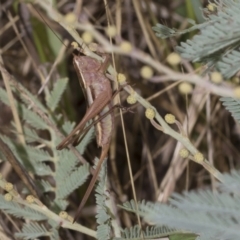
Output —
(33, 230)
(233, 106)
(86, 140)
(131, 206)
(58, 89)
(38, 155)
(218, 41)
(46, 186)
(3, 96)
(68, 126)
(204, 213)
(229, 65)
(72, 182)
(154, 232)
(211, 41)
(66, 164)
(61, 203)
(13, 148)
(54, 234)
(103, 217)
(19, 211)
(33, 119)
(103, 232)
(33, 98)
(231, 182)
(165, 32)
(42, 169)
(39, 168)
(205, 201)
(30, 134)
(29, 116)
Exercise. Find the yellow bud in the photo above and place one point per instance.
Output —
(111, 31)
(211, 7)
(236, 92)
(150, 113)
(87, 37)
(30, 198)
(74, 45)
(8, 197)
(216, 77)
(198, 157)
(63, 214)
(131, 99)
(8, 186)
(126, 46)
(121, 78)
(185, 88)
(70, 18)
(146, 72)
(173, 58)
(169, 118)
(184, 153)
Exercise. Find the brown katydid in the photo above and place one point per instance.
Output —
(98, 93)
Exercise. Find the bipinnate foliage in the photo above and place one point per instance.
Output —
(217, 45)
(35, 230)
(154, 232)
(231, 182)
(233, 106)
(209, 215)
(18, 211)
(103, 212)
(57, 171)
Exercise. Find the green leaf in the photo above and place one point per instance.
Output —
(233, 106)
(58, 89)
(46, 186)
(229, 64)
(61, 203)
(217, 43)
(103, 232)
(86, 140)
(33, 119)
(33, 230)
(65, 186)
(231, 182)
(68, 126)
(32, 97)
(153, 232)
(30, 134)
(36, 154)
(103, 216)
(20, 211)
